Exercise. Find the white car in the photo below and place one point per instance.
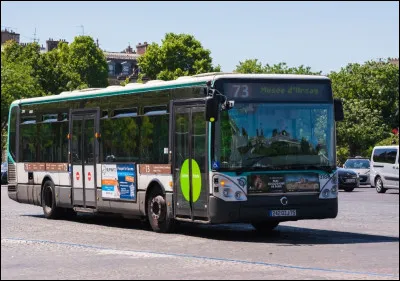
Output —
(385, 168)
(361, 166)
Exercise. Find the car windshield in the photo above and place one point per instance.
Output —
(357, 164)
(275, 135)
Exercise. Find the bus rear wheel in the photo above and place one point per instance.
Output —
(50, 209)
(157, 213)
(265, 227)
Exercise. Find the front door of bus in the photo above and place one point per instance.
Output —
(83, 155)
(190, 161)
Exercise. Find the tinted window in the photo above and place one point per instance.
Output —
(357, 164)
(154, 139)
(120, 139)
(385, 155)
(28, 142)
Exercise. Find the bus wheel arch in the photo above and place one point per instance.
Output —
(45, 179)
(156, 209)
(48, 199)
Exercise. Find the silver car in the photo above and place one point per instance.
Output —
(361, 166)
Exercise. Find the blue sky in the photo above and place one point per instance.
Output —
(323, 35)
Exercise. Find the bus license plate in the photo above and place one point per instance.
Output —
(282, 213)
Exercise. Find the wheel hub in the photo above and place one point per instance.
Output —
(155, 209)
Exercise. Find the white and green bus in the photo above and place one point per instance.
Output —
(210, 148)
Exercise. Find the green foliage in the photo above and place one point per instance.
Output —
(370, 94)
(25, 72)
(17, 81)
(86, 59)
(253, 66)
(361, 127)
(125, 82)
(178, 55)
(376, 83)
(249, 66)
(342, 153)
(391, 140)
(282, 68)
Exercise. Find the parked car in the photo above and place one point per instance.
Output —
(361, 166)
(4, 169)
(348, 179)
(385, 168)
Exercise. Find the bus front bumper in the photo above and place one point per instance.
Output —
(257, 208)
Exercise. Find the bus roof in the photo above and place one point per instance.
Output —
(154, 85)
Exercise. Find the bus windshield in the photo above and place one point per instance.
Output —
(255, 136)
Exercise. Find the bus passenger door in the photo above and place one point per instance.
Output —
(83, 157)
(189, 158)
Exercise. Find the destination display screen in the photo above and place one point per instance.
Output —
(282, 91)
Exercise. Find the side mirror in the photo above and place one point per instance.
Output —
(338, 108)
(212, 108)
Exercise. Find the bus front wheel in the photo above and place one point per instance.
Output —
(157, 213)
(50, 209)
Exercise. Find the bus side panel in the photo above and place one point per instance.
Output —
(28, 194)
(22, 175)
(26, 190)
(63, 196)
(102, 205)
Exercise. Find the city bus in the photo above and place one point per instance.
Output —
(210, 148)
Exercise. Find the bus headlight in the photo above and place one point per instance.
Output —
(334, 189)
(226, 192)
(238, 195)
(325, 193)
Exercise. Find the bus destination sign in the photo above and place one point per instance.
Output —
(289, 91)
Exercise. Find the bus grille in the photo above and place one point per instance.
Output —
(12, 175)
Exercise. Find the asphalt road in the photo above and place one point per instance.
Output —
(361, 243)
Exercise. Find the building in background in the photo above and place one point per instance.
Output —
(122, 65)
(9, 35)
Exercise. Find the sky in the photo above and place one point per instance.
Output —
(323, 35)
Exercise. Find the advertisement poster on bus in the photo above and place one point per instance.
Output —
(118, 181)
(302, 182)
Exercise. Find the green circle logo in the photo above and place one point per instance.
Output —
(196, 180)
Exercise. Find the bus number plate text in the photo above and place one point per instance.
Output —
(282, 213)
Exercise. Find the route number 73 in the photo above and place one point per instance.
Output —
(241, 91)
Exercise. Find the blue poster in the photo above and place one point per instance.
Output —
(126, 181)
(119, 181)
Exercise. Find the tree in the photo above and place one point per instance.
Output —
(361, 127)
(86, 59)
(253, 66)
(249, 66)
(25, 72)
(282, 68)
(55, 74)
(376, 83)
(17, 81)
(178, 55)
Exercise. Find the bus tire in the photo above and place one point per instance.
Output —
(266, 226)
(157, 213)
(379, 185)
(50, 209)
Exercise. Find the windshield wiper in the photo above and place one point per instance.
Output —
(327, 169)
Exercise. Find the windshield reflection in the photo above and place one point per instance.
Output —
(274, 135)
